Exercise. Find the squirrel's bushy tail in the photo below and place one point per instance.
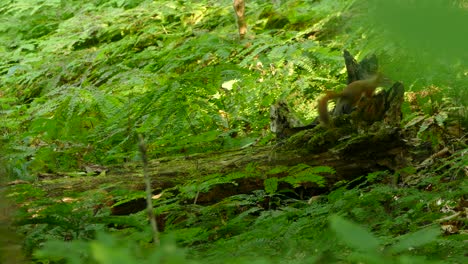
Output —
(323, 107)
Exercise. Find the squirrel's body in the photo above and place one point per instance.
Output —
(351, 95)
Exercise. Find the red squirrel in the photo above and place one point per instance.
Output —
(351, 95)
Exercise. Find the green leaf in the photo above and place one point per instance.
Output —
(303, 173)
(55, 250)
(271, 185)
(416, 239)
(278, 169)
(354, 235)
(109, 255)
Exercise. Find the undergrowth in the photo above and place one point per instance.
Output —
(384, 224)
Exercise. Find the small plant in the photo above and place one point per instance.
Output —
(298, 175)
(366, 248)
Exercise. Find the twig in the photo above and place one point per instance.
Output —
(149, 202)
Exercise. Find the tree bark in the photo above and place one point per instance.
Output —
(239, 8)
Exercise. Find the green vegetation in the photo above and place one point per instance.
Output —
(80, 80)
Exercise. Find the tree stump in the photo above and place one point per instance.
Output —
(384, 106)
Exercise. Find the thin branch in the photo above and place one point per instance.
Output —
(149, 202)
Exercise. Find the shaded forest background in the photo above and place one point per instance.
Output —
(80, 81)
